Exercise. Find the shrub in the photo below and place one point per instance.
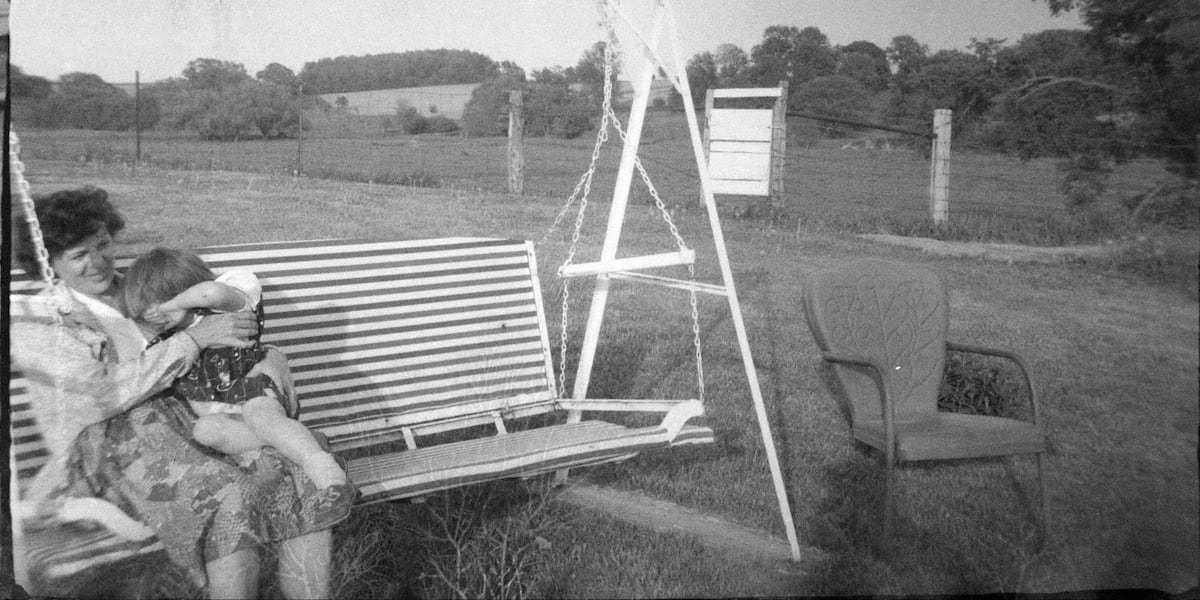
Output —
(555, 110)
(85, 101)
(409, 120)
(1083, 182)
(1174, 203)
(440, 124)
(974, 385)
(485, 113)
(834, 96)
(550, 109)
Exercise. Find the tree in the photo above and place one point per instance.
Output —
(866, 63)
(796, 55)
(85, 101)
(1156, 42)
(702, 75)
(213, 74)
(1060, 52)
(864, 69)
(834, 96)
(554, 75)
(511, 69)
(590, 71)
(273, 110)
(555, 110)
(401, 69)
(813, 56)
(732, 66)
(30, 99)
(279, 76)
(907, 56)
(959, 81)
(219, 101)
(175, 99)
(21, 85)
(484, 114)
(868, 48)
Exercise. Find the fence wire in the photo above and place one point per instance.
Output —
(866, 174)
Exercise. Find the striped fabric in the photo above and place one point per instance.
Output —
(65, 552)
(392, 340)
(386, 335)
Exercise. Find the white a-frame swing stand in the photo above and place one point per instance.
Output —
(610, 267)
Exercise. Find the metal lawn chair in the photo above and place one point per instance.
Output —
(883, 327)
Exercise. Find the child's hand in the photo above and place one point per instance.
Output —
(164, 316)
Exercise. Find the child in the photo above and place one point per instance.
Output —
(168, 290)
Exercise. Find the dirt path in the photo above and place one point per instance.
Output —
(1001, 252)
(668, 517)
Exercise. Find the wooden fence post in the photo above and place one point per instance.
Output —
(516, 156)
(705, 133)
(137, 115)
(778, 147)
(939, 168)
(299, 129)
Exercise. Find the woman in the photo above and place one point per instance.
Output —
(91, 365)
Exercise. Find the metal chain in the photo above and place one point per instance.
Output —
(585, 182)
(20, 190)
(666, 216)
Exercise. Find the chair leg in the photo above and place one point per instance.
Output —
(889, 506)
(1044, 522)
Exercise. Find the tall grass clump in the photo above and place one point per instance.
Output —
(486, 541)
(378, 175)
(979, 385)
(1095, 224)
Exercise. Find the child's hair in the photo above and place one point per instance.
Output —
(159, 275)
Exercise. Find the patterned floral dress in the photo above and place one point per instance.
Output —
(204, 505)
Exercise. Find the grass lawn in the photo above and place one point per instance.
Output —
(1115, 356)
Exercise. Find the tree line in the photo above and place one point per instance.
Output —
(1128, 84)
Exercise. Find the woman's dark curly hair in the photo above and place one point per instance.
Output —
(66, 218)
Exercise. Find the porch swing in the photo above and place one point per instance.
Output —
(393, 342)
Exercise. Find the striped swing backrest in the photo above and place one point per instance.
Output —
(383, 337)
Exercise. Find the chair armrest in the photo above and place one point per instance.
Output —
(1014, 357)
(885, 395)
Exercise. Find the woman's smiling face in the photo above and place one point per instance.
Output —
(87, 267)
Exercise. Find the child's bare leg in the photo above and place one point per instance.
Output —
(267, 418)
(226, 434)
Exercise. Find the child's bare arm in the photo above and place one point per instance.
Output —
(212, 295)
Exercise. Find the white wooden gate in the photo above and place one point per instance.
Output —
(745, 147)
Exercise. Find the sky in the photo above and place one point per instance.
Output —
(157, 38)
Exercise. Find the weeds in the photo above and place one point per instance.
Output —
(975, 385)
(383, 176)
(487, 541)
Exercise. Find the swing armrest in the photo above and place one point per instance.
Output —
(676, 412)
(610, 405)
(81, 510)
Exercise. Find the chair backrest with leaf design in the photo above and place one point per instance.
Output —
(893, 314)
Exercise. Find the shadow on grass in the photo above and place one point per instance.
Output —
(934, 547)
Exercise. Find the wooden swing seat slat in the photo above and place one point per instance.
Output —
(774, 92)
(649, 261)
(391, 342)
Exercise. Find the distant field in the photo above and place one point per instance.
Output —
(846, 188)
(445, 100)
